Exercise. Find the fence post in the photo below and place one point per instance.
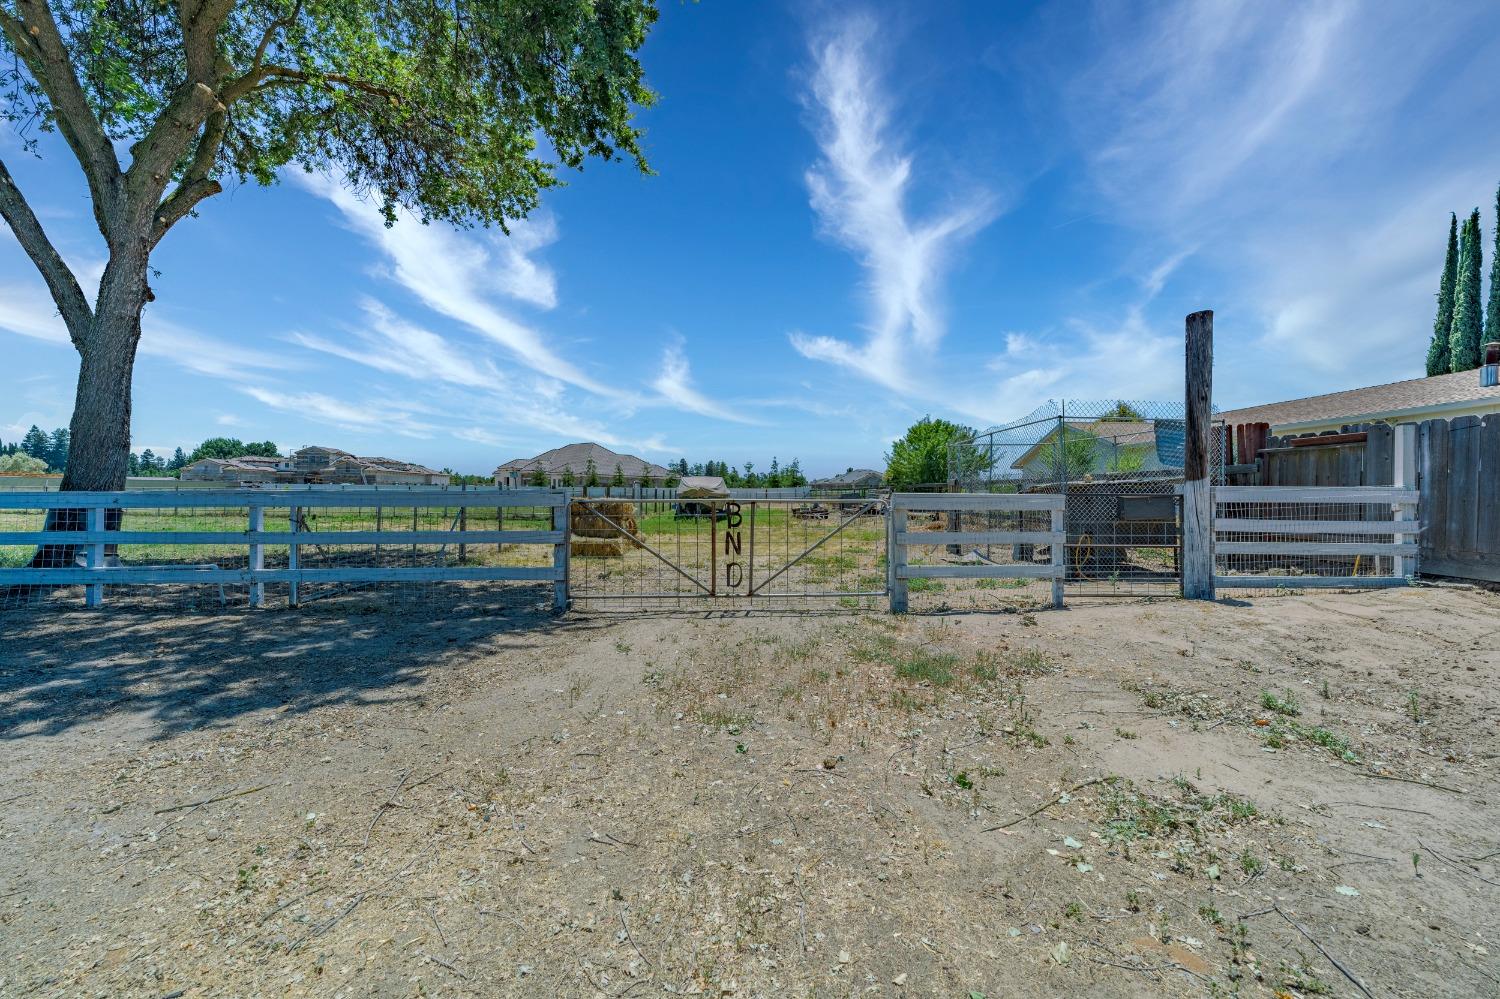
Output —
(294, 514)
(561, 511)
(895, 559)
(94, 592)
(1197, 486)
(1404, 476)
(463, 525)
(257, 556)
(1059, 556)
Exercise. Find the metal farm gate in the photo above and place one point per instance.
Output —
(726, 552)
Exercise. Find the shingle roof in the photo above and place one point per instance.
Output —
(852, 476)
(1120, 432)
(576, 457)
(1372, 402)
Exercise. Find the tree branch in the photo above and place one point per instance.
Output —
(201, 21)
(38, 42)
(285, 74)
(71, 302)
(196, 184)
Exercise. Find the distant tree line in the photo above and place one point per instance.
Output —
(775, 477)
(36, 452)
(1459, 328)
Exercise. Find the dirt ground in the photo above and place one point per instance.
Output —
(1289, 796)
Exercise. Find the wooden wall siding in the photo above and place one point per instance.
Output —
(1460, 479)
(1367, 463)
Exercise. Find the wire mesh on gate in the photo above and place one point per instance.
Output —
(629, 554)
(383, 513)
(1118, 462)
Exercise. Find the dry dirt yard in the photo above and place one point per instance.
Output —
(1290, 796)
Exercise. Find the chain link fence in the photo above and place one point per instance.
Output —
(1118, 462)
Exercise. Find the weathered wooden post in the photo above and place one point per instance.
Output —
(895, 557)
(293, 556)
(561, 513)
(257, 555)
(1404, 476)
(1197, 486)
(1059, 552)
(94, 592)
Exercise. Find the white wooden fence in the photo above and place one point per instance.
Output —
(1262, 511)
(900, 538)
(290, 507)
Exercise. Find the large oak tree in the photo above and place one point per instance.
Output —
(458, 110)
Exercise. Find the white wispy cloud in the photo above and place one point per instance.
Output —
(27, 310)
(373, 415)
(458, 274)
(388, 343)
(1304, 156)
(860, 190)
(675, 384)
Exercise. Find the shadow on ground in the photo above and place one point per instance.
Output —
(179, 670)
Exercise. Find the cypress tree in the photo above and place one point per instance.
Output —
(1492, 312)
(1468, 319)
(1442, 326)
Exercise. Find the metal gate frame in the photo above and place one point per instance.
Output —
(732, 551)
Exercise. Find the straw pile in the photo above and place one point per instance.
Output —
(588, 520)
(594, 535)
(597, 547)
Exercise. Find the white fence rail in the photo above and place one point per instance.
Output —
(92, 509)
(1315, 536)
(900, 538)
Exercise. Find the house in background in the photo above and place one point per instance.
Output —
(575, 458)
(314, 464)
(853, 478)
(1099, 447)
(1463, 393)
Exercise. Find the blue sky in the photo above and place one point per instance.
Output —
(861, 214)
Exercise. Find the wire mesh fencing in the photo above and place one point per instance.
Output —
(1280, 539)
(1118, 463)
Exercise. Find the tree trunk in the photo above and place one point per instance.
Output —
(99, 452)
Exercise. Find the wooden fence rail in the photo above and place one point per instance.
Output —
(899, 538)
(96, 573)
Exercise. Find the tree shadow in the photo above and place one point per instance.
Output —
(180, 669)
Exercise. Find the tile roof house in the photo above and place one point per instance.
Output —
(1462, 393)
(575, 458)
(854, 478)
(313, 464)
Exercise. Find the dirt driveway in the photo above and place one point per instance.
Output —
(1290, 796)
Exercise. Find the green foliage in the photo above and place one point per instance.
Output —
(591, 474)
(22, 462)
(1069, 454)
(618, 479)
(539, 478)
(1442, 326)
(436, 107)
(568, 478)
(232, 447)
(35, 443)
(922, 455)
(1467, 332)
(1124, 412)
(1492, 311)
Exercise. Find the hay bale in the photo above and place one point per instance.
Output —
(588, 520)
(597, 548)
